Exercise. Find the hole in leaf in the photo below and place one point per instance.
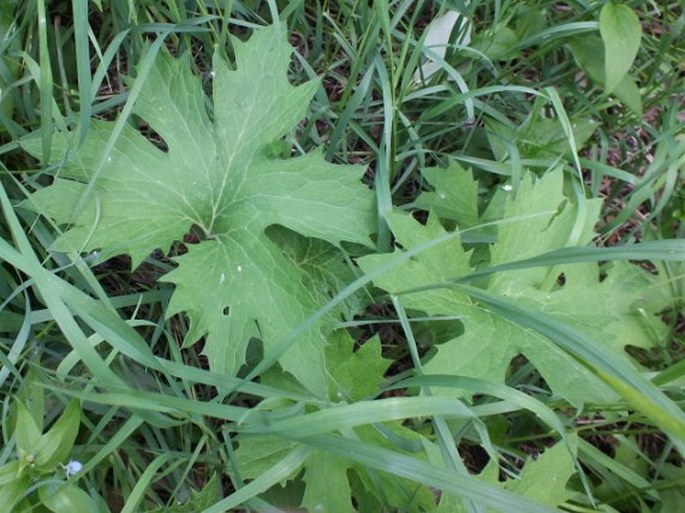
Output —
(226, 311)
(561, 279)
(420, 216)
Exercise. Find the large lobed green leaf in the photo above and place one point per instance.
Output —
(535, 219)
(222, 175)
(332, 480)
(542, 480)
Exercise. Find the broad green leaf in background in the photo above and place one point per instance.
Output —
(589, 53)
(530, 20)
(399, 493)
(222, 176)
(28, 432)
(539, 137)
(14, 482)
(545, 137)
(257, 454)
(616, 311)
(330, 478)
(61, 498)
(55, 445)
(499, 45)
(621, 32)
(32, 395)
(8, 69)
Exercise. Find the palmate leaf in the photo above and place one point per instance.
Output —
(332, 480)
(616, 311)
(542, 480)
(221, 175)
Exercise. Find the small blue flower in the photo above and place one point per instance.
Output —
(72, 468)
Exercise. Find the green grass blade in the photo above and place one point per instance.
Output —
(384, 159)
(479, 386)
(45, 83)
(667, 250)
(113, 443)
(675, 371)
(81, 27)
(361, 413)
(566, 124)
(12, 357)
(145, 481)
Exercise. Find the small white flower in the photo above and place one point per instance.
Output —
(507, 188)
(72, 468)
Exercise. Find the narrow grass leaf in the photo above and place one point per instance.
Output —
(361, 413)
(667, 250)
(566, 125)
(592, 455)
(43, 280)
(150, 402)
(384, 159)
(145, 481)
(19, 344)
(45, 82)
(113, 443)
(674, 372)
(81, 27)
(360, 92)
(48, 285)
(479, 386)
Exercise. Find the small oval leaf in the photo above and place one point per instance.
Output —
(56, 444)
(621, 31)
(28, 433)
(12, 491)
(63, 498)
